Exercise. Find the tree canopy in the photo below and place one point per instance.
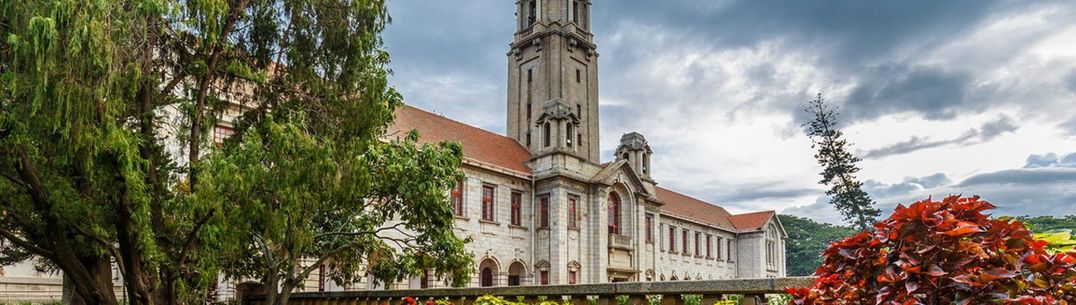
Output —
(807, 239)
(106, 110)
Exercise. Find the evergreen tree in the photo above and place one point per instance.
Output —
(846, 192)
(95, 94)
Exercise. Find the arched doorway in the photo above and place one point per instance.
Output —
(614, 213)
(487, 271)
(515, 273)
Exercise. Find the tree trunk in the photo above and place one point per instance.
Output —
(101, 270)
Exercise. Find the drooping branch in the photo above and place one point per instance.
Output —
(25, 244)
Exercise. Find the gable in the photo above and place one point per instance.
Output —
(611, 171)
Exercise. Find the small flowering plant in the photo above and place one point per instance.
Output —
(943, 252)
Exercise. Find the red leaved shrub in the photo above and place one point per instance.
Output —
(942, 252)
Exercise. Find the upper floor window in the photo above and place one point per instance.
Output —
(546, 134)
(517, 208)
(532, 12)
(698, 243)
(614, 213)
(568, 135)
(575, 11)
(543, 213)
(487, 202)
(729, 258)
(221, 133)
(709, 246)
(672, 239)
(457, 198)
(685, 241)
(573, 215)
(718, 250)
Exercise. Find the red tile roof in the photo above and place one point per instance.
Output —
(478, 144)
(684, 206)
(752, 221)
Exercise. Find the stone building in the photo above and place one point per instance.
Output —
(542, 208)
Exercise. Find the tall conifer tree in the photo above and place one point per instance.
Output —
(839, 166)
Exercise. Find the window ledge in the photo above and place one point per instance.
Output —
(460, 217)
(489, 222)
(517, 227)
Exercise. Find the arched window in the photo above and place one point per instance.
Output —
(546, 134)
(614, 213)
(771, 248)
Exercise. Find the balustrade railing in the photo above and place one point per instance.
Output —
(635, 293)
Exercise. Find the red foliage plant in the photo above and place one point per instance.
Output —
(942, 252)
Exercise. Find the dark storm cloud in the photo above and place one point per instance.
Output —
(854, 29)
(987, 132)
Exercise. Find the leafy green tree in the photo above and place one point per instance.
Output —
(846, 192)
(351, 205)
(1043, 224)
(95, 94)
(807, 239)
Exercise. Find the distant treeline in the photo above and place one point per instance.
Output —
(808, 238)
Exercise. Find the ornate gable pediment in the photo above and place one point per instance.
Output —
(621, 171)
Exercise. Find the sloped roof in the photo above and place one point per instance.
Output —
(751, 221)
(687, 207)
(478, 144)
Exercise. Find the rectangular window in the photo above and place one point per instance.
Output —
(729, 259)
(578, 76)
(543, 213)
(517, 208)
(709, 246)
(572, 277)
(649, 228)
(457, 198)
(487, 202)
(322, 274)
(572, 212)
(575, 11)
(543, 276)
(672, 239)
(687, 251)
(221, 133)
(698, 243)
(528, 139)
(719, 241)
(532, 12)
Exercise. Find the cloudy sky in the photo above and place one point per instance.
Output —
(938, 97)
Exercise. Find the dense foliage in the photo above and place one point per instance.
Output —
(105, 116)
(943, 252)
(807, 239)
(839, 166)
(1049, 223)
